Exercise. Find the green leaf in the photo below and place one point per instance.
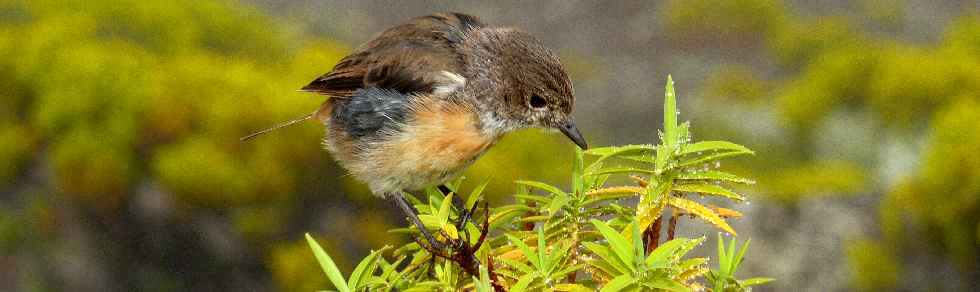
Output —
(526, 250)
(660, 256)
(430, 221)
(542, 255)
(666, 284)
(621, 169)
(578, 170)
(535, 198)
(542, 186)
(567, 270)
(692, 264)
(364, 269)
(523, 268)
(723, 260)
(617, 242)
(756, 281)
(638, 248)
(609, 259)
(485, 284)
(701, 212)
(572, 288)
(714, 146)
(652, 203)
(447, 203)
(670, 114)
(709, 189)
(683, 133)
(664, 154)
(522, 283)
(644, 158)
(714, 175)
(328, 266)
(618, 284)
(612, 151)
(503, 215)
(557, 203)
(731, 257)
(476, 193)
(741, 254)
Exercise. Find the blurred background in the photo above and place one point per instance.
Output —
(121, 169)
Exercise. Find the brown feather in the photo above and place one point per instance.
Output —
(407, 58)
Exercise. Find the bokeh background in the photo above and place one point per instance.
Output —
(121, 169)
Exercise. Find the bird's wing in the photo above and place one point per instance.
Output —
(409, 58)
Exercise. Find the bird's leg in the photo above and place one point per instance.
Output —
(413, 216)
(464, 214)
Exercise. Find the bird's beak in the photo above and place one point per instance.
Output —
(572, 133)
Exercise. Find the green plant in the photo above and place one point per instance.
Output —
(728, 261)
(592, 237)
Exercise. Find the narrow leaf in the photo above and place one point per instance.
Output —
(476, 193)
(709, 189)
(522, 283)
(572, 288)
(714, 175)
(617, 242)
(447, 203)
(741, 253)
(620, 169)
(542, 255)
(700, 211)
(618, 284)
(714, 146)
(652, 203)
(578, 171)
(670, 114)
(364, 269)
(526, 250)
(542, 186)
(620, 150)
(557, 203)
(328, 266)
(608, 258)
(756, 281)
(660, 256)
(666, 284)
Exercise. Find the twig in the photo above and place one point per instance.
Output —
(651, 236)
(672, 225)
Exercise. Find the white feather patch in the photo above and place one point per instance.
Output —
(449, 82)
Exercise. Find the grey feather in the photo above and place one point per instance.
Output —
(371, 110)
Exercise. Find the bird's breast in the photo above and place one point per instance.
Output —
(438, 139)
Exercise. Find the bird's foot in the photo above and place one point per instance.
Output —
(461, 248)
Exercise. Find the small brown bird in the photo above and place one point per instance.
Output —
(423, 100)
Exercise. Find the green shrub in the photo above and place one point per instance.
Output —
(595, 236)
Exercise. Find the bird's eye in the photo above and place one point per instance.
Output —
(537, 102)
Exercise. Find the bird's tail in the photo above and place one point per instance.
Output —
(279, 126)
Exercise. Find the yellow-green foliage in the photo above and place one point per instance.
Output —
(839, 74)
(113, 96)
(878, 270)
(943, 198)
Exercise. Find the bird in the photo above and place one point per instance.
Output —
(422, 100)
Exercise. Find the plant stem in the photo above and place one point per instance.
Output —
(651, 236)
(672, 225)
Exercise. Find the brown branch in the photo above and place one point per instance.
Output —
(672, 225)
(651, 236)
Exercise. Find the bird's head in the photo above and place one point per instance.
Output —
(525, 84)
